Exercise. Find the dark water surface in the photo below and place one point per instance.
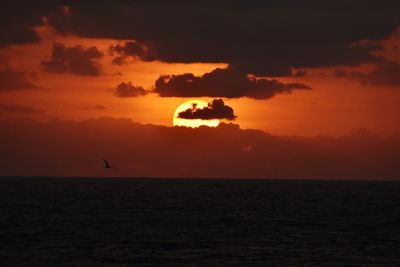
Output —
(139, 222)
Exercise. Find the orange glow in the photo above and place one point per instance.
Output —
(334, 105)
(192, 123)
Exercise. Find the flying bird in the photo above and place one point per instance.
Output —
(107, 165)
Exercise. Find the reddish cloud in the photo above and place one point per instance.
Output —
(12, 80)
(386, 73)
(227, 83)
(129, 90)
(215, 110)
(76, 60)
(75, 148)
(96, 107)
(18, 109)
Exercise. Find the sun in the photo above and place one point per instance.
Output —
(192, 123)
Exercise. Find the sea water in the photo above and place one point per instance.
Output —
(186, 222)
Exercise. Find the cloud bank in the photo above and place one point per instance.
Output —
(74, 148)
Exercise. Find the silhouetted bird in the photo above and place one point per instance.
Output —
(107, 165)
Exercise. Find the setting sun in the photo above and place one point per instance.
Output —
(176, 121)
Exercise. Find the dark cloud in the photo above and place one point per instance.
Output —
(227, 83)
(129, 90)
(76, 60)
(18, 19)
(265, 39)
(75, 148)
(99, 107)
(18, 109)
(12, 80)
(17, 35)
(339, 73)
(131, 49)
(300, 73)
(215, 110)
(383, 73)
(386, 73)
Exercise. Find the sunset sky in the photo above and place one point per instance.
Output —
(306, 75)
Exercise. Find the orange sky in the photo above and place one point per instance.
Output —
(335, 105)
(296, 98)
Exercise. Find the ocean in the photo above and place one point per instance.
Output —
(198, 222)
